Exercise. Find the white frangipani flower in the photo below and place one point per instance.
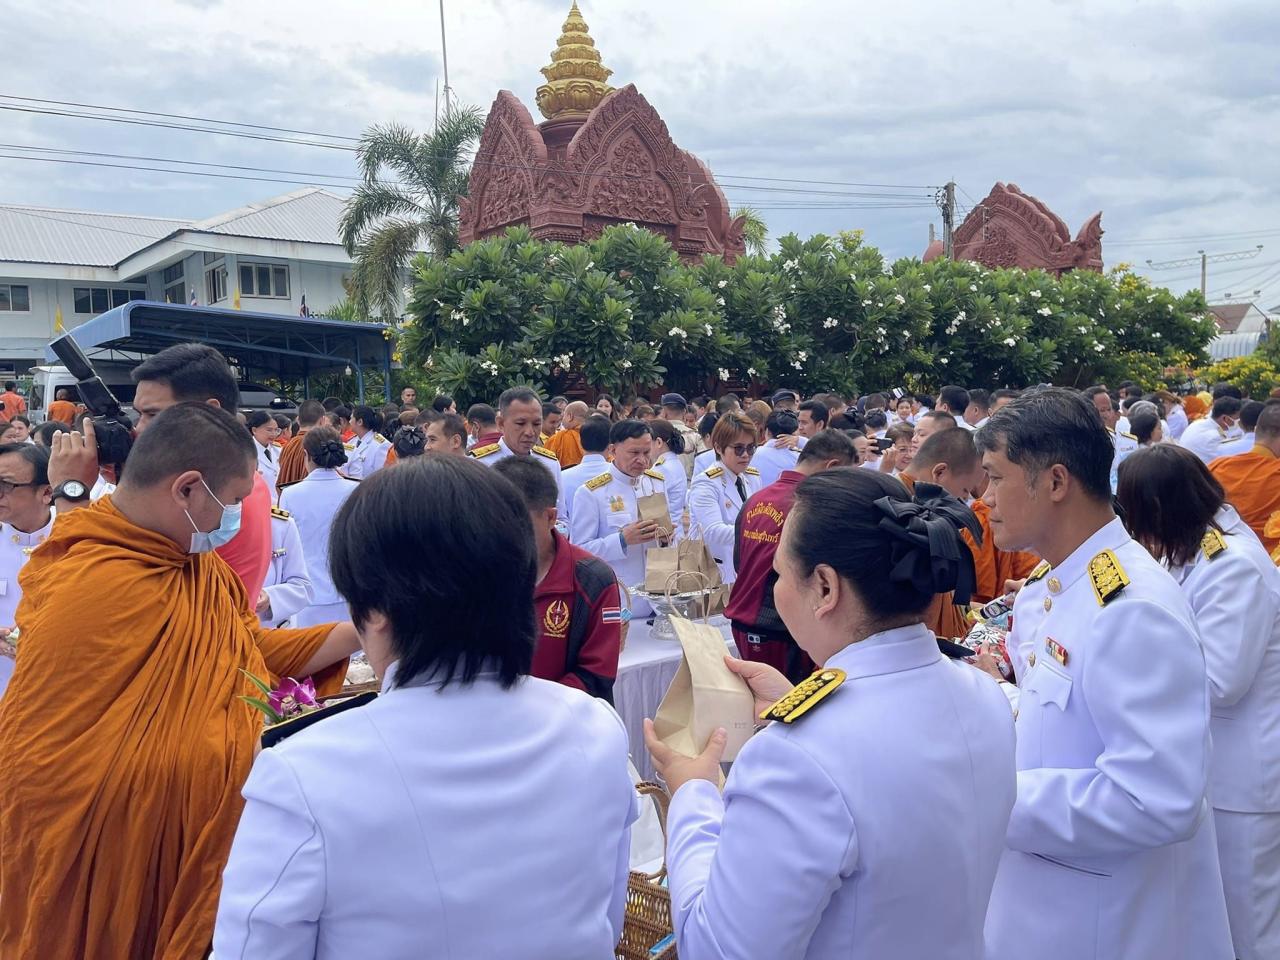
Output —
(899, 298)
(751, 371)
(830, 323)
(973, 288)
(928, 288)
(1010, 342)
(677, 332)
(707, 327)
(719, 301)
(722, 284)
(1035, 294)
(790, 264)
(1045, 311)
(866, 303)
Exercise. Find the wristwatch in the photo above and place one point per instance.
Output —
(72, 490)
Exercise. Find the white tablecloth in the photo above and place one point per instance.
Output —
(645, 670)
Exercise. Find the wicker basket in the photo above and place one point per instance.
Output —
(648, 916)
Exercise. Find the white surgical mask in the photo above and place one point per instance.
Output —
(228, 527)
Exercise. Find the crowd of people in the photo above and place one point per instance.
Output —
(1113, 793)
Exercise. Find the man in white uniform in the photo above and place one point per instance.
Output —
(1207, 436)
(955, 401)
(594, 437)
(287, 588)
(1249, 414)
(520, 420)
(1110, 854)
(25, 498)
(367, 453)
(770, 459)
(1122, 443)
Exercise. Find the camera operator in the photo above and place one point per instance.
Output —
(185, 372)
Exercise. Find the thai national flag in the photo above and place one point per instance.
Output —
(611, 615)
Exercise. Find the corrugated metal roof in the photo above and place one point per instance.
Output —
(42, 235)
(309, 216)
(1228, 345)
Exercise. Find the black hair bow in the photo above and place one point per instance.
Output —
(927, 550)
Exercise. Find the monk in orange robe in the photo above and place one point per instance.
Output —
(293, 459)
(62, 409)
(567, 443)
(126, 742)
(1252, 480)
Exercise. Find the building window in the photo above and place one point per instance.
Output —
(215, 284)
(172, 273)
(15, 298)
(264, 280)
(212, 257)
(95, 300)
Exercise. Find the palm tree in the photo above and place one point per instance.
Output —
(755, 232)
(408, 201)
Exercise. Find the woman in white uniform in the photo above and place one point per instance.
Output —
(868, 818)
(1173, 507)
(471, 811)
(264, 428)
(668, 445)
(313, 502)
(718, 492)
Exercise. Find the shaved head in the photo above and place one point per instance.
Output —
(310, 412)
(950, 459)
(190, 436)
(1269, 421)
(575, 414)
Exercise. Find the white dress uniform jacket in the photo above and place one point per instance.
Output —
(770, 461)
(288, 584)
(714, 504)
(493, 452)
(1234, 590)
(268, 462)
(677, 483)
(703, 461)
(571, 478)
(502, 833)
(601, 508)
(1205, 439)
(1177, 421)
(841, 836)
(1110, 852)
(313, 502)
(16, 548)
(1241, 444)
(1124, 444)
(366, 455)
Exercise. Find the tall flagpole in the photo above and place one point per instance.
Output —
(444, 49)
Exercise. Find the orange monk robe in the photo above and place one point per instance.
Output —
(1194, 408)
(944, 617)
(1252, 483)
(293, 463)
(64, 411)
(391, 457)
(991, 565)
(125, 744)
(567, 446)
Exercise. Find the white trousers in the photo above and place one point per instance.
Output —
(1249, 852)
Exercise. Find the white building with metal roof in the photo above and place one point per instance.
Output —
(79, 264)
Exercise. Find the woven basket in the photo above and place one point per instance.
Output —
(648, 915)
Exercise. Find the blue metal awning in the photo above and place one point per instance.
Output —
(291, 348)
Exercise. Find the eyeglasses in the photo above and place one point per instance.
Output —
(8, 486)
(741, 449)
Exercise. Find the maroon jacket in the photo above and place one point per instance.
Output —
(759, 528)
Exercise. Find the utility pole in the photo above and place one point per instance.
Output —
(1205, 259)
(444, 52)
(946, 199)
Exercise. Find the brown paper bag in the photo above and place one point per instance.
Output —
(704, 695)
(659, 565)
(696, 557)
(654, 507)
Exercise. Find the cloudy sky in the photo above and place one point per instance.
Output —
(1164, 115)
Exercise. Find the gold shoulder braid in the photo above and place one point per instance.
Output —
(487, 450)
(1213, 543)
(1108, 577)
(280, 513)
(1038, 573)
(595, 483)
(655, 474)
(805, 695)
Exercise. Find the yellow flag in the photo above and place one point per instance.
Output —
(236, 302)
(57, 320)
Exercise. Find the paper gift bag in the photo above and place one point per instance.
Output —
(660, 564)
(654, 507)
(704, 695)
(696, 557)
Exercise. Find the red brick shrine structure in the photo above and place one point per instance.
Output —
(603, 156)
(1014, 229)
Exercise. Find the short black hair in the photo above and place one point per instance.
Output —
(310, 412)
(782, 423)
(818, 411)
(466, 603)
(193, 435)
(629, 430)
(454, 425)
(518, 395)
(1226, 406)
(258, 418)
(283, 422)
(850, 420)
(35, 455)
(1249, 414)
(330, 404)
(442, 403)
(956, 398)
(20, 417)
(324, 447)
(343, 412)
(550, 410)
(594, 433)
(1003, 393)
(44, 433)
(538, 488)
(367, 417)
(193, 372)
(1049, 426)
(980, 397)
(829, 445)
(482, 414)
(10, 385)
(707, 424)
(1168, 500)
(1142, 425)
(1223, 389)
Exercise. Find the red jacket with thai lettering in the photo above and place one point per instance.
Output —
(579, 622)
(759, 528)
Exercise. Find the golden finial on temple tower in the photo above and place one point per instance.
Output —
(575, 77)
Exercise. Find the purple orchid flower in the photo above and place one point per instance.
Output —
(292, 697)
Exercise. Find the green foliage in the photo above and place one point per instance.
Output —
(755, 232)
(1256, 375)
(827, 313)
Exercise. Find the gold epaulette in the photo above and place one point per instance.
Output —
(380, 438)
(661, 460)
(544, 452)
(1213, 543)
(279, 512)
(1038, 573)
(487, 450)
(1108, 577)
(349, 445)
(1128, 436)
(752, 471)
(656, 474)
(714, 472)
(595, 483)
(805, 695)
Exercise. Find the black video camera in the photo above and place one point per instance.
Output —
(111, 426)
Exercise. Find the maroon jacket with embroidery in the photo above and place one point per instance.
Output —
(579, 619)
(759, 528)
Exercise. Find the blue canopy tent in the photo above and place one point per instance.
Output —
(291, 348)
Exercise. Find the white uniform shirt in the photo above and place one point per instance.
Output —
(1205, 439)
(468, 823)
(313, 502)
(703, 461)
(1124, 444)
(16, 548)
(677, 484)
(494, 452)
(1109, 831)
(714, 504)
(366, 455)
(288, 584)
(571, 478)
(601, 508)
(770, 461)
(268, 462)
(1241, 444)
(1177, 420)
(841, 836)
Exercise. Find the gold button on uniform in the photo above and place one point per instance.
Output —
(1048, 604)
(1054, 584)
(1031, 660)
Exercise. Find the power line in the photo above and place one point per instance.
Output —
(187, 173)
(1176, 240)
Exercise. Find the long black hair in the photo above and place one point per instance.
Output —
(1169, 500)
